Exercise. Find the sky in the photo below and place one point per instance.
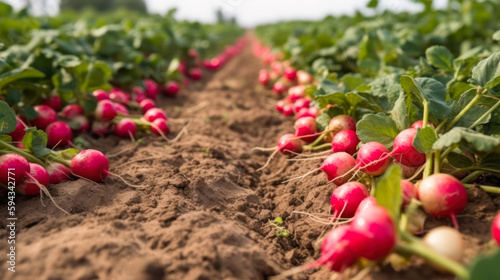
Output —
(250, 13)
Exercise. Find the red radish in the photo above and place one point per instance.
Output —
(341, 122)
(72, 110)
(58, 173)
(53, 102)
(288, 144)
(420, 124)
(172, 88)
(155, 113)
(119, 97)
(195, 74)
(121, 110)
(296, 92)
(59, 134)
(185, 82)
(152, 89)
(46, 116)
(160, 127)
(182, 67)
(90, 164)
(147, 104)
(192, 53)
(100, 94)
(345, 141)
(19, 132)
(279, 87)
(372, 158)
(288, 110)
(338, 167)
(290, 74)
(408, 192)
(403, 150)
(304, 78)
(346, 199)
(378, 232)
(446, 241)
(495, 229)
(17, 165)
(105, 111)
(442, 195)
(125, 128)
(264, 77)
(306, 129)
(307, 112)
(279, 106)
(366, 204)
(408, 172)
(301, 103)
(80, 123)
(37, 176)
(277, 67)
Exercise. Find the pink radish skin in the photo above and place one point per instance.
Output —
(46, 116)
(152, 89)
(289, 143)
(125, 128)
(81, 122)
(121, 110)
(288, 110)
(264, 77)
(147, 104)
(59, 134)
(378, 232)
(345, 141)
(90, 164)
(18, 166)
(307, 112)
(338, 167)
(105, 111)
(279, 87)
(290, 74)
(19, 132)
(495, 229)
(195, 74)
(53, 102)
(279, 106)
(277, 67)
(296, 92)
(408, 172)
(339, 123)
(442, 195)
(31, 188)
(304, 78)
(119, 97)
(373, 158)
(306, 129)
(154, 114)
(403, 150)
(366, 204)
(346, 199)
(408, 192)
(160, 126)
(100, 95)
(301, 103)
(172, 89)
(58, 173)
(420, 124)
(72, 110)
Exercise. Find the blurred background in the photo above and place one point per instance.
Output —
(248, 13)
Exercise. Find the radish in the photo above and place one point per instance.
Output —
(46, 116)
(279, 106)
(59, 134)
(125, 128)
(90, 164)
(159, 127)
(100, 94)
(185, 82)
(19, 132)
(37, 178)
(290, 73)
(420, 124)
(372, 158)
(277, 67)
(377, 230)
(346, 199)
(403, 150)
(72, 110)
(264, 77)
(289, 144)
(192, 53)
(304, 78)
(288, 110)
(80, 123)
(53, 102)
(338, 167)
(105, 111)
(341, 122)
(152, 89)
(408, 192)
(345, 141)
(442, 195)
(366, 204)
(58, 173)
(195, 74)
(408, 172)
(296, 92)
(120, 97)
(279, 87)
(307, 112)
(147, 104)
(301, 103)
(306, 129)
(172, 89)
(495, 229)
(154, 114)
(446, 241)
(121, 110)
(13, 166)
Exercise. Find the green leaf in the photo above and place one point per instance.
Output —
(336, 98)
(8, 119)
(486, 74)
(496, 35)
(5, 138)
(474, 113)
(28, 112)
(372, 4)
(278, 220)
(440, 57)
(459, 160)
(377, 128)
(97, 77)
(428, 90)
(424, 140)
(491, 161)
(69, 153)
(388, 190)
(19, 73)
(468, 138)
(485, 267)
(399, 113)
(35, 141)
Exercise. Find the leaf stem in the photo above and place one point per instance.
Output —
(478, 121)
(317, 148)
(428, 165)
(472, 176)
(316, 142)
(488, 189)
(426, 114)
(437, 161)
(466, 109)
(21, 152)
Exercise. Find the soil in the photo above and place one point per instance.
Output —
(204, 210)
